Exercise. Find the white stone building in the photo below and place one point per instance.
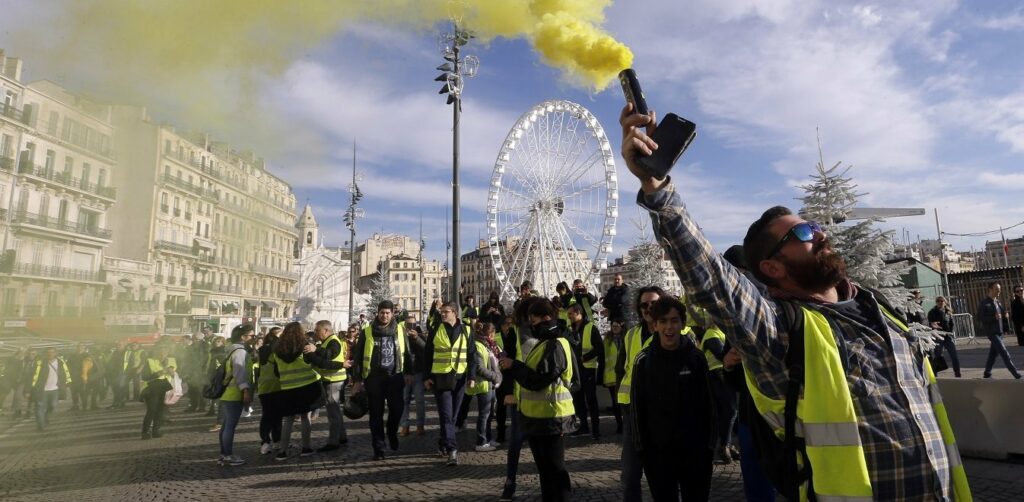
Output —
(324, 272)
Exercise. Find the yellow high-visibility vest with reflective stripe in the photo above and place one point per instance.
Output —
(446, 355)
(588, 345)
(482, 386)
(368, 346)
(295, 374)
(712, 333)
(587, 309)
(468, 321)
(611, 353)
(828, 420)
(332, 375)
(157, 366)
(61, 364)
(555, 400)
(632, 347)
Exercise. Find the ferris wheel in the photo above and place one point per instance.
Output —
(553, 200)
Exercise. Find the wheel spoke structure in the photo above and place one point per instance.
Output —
(552, 201)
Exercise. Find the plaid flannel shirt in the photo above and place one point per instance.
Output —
(906, 457)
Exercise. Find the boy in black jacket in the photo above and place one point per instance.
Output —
(671, 411)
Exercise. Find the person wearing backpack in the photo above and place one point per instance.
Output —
(237, 391)
(858, 386)
(452, 358)
(545, 402)
(672, 412)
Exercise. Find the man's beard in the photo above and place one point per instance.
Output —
(825, 271)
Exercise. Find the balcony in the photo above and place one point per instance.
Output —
(54, 272)
(6, 164)
(81, 228)
(174, 247)
(274, 272)
(164, 208)
(289, 296)
(224, 288)
(183, 281)
(159, 279)
(171, 280)
(13, 113)
(188, 216)
(203, 286)
(128, 307)
(185, 185)
(65, 180)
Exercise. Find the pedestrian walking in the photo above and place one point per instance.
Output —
(268, 389)
(50, 379)
(488, 375)
(330, 360)
(545, 400)
(413, 392)
(452, 363)
(992, 317)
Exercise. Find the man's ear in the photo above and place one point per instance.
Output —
(772, 269)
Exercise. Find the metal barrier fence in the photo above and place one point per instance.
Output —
(963, 327)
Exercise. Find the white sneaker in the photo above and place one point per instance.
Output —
(485, 447)
(246, 413)
(265, 448)
(233, 460)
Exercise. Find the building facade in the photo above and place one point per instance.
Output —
(57, 165)
(217, 225)
(372, 252)
(324, 278)
(669, 280)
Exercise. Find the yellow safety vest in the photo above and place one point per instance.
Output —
(157, 366)
(826, 415)
(232, 392)
(482, 386)
(712, 333)
(268, 381)
(295, 374)
(588, 345)
(611, 353)
(61, 364)
(587, 309)
(468, 321)
(368, 348)
(555, 400)
(446, 355)
(338, 375)
(632, 347)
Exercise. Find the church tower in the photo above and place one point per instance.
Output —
(309, 232)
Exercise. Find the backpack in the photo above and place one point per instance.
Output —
(787, 475)
(219, 380)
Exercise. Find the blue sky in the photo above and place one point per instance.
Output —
(923, 98)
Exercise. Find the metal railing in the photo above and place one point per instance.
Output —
(259, 269)
(27, 218)
(174, 247)
(128, 306)
(64, 179)
(195, 189)
(963, 327)
(203, 286)
(12, 112)
(56, 272)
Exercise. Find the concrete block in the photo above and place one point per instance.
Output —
(986, 415)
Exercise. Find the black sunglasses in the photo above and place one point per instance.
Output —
(803, 232)
(646, 305)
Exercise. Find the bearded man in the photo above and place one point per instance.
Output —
(870, 419)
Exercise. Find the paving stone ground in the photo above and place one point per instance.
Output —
(98, 456)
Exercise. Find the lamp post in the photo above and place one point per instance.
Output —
(454, 72)
(351, 214)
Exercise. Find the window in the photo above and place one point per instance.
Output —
(51, 160)
(85, 173)
(69, 164)
(23, 200)
(199, 228)
(58, 256)
(163, 202)
(37, 253)
(167, 171)
(62, 211)
(51, 125)
(44, 205)
(6, 144)
(102, 178)
(206, 230)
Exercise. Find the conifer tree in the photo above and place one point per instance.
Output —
(380, 290)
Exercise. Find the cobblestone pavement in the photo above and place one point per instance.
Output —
(98, 456)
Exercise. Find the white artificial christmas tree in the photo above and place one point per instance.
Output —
(380, 290)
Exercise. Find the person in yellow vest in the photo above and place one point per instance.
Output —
(331, 361)
(268, 388)
(637, 338)
(545, 401)
(613, 341)
(865, 373)
(671, 409)
(238, 392)
(452, 357)
(519, 342)
(50, 378)
(470, 312)
(585, 340)
(488, 376)
(583, 298)
(301, 390)
(157, 370)
(383, 366)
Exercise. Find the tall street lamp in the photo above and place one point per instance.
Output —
(351, 214)
(454, 72)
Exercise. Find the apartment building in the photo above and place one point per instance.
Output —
(217, 225)
(57, 164)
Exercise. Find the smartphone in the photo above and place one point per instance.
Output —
(673, 136)
(631, 88)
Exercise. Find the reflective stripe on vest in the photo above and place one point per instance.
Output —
(554, 401)
(611, 352)
(632, 347)
(445, 355)
(712, 333)
(369, 345)
(295, 374)
(334, 375)
(482, 386)
(588, 346)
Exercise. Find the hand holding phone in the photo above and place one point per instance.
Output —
(673, 135)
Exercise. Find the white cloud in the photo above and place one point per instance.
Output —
(1006, 22)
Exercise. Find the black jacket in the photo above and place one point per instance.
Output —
(324, 355)
(596, 343)
(1017, 312)
(671, 407)
(356, 371)
(552, 364)
(615, 301)
(497, 317)
(434, 321)
(991, 316)
(943, 317)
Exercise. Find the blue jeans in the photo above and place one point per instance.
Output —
(515, 444)
(46, 403)
(632, 464)
(997, 348)
(483, 417)
(335, 418)
(232, 412)
(446, 400)
(949, 343)
(414, 390)
(756, 485)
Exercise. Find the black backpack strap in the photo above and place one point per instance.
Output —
(793, 318)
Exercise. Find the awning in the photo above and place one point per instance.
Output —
(270, 305)
(252, 303)
(214, 304)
